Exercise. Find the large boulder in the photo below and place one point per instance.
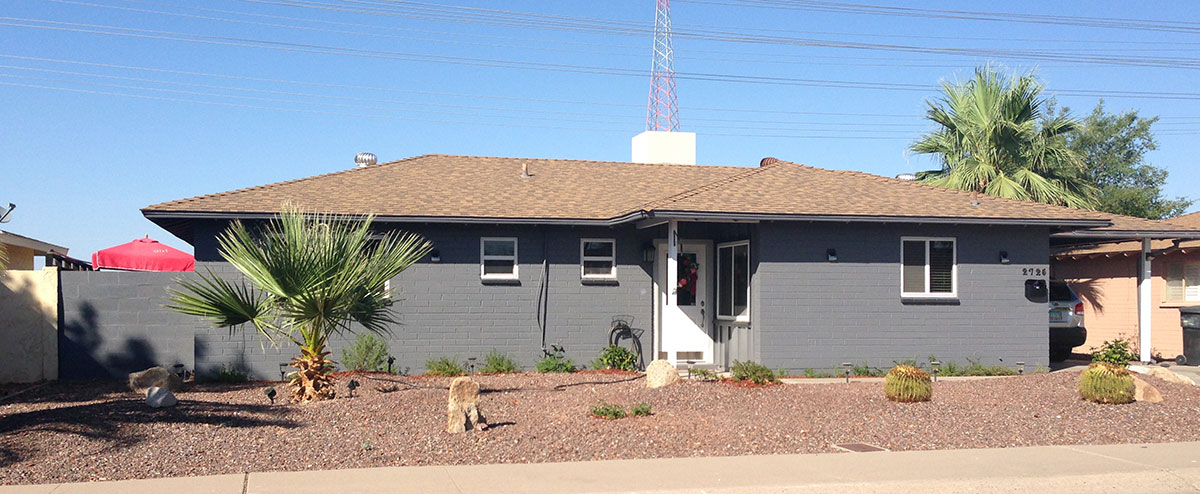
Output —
(154, 377)
(1168, 375)
(160, 397)
(462, 411)
(661, 373)
(1143, 391)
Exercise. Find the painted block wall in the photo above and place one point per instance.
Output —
(811, 313)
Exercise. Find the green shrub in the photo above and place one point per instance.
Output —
(950, 369)
(1105, 382)
(556, 361)
(616, 357)
(444, 367)
(499, 363)
(641, 410)
(1118, 351)
(812, 373)
(704, 374)
(906, 383)
(865, 370)
(229, 375)
(752, 371)
(368, 353)
(604, 410)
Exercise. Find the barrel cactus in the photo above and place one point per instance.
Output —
(1103, 382)
(907, 384)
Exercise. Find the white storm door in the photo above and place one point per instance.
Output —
(685, 332)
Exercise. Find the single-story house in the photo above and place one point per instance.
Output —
(785, 264)
(1105, 276)
(22, 250)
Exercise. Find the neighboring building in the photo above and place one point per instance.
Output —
(785, 264)
(1105, 276)
(23, 250)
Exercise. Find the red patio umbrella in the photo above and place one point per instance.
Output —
(144, 254)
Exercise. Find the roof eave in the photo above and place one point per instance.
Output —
(155, 215)
(728, 216)
(1129, 234)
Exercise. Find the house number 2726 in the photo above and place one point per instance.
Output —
(1033, 271)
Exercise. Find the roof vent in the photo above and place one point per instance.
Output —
(363, 160)
(768, 161)
(908, 177)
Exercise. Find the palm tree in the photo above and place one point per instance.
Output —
(306, 277)
(997, 137)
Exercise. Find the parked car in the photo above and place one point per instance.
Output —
(1066, 321)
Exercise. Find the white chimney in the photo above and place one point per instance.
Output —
(656, 146)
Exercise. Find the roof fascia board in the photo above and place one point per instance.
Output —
(1128, 234)
(30, 243)
(152, 215)
(685, 215)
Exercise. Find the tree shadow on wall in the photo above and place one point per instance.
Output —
(1089, 290)
(81, 352)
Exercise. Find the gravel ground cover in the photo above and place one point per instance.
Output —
(98, 431)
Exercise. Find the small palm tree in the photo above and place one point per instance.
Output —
(997, 137)
(306, 277)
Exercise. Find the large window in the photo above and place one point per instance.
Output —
(928, 267)
(1183, 282)
(598, 258)
(733, 281)
(498, 258)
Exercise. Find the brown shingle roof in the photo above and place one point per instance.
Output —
(1188, 220)
(446, 186)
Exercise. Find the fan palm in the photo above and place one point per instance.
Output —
(305, 277)
(997, 137)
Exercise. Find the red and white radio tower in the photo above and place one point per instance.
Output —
(662, 112)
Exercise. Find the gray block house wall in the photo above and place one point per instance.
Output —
(806, 312)
(811, 313)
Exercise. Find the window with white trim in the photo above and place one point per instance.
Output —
(498, 258)
(1183, 282)
(733, 281)
(598, 259)
(928, 267)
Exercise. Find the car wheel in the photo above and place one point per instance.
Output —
(1059, 354)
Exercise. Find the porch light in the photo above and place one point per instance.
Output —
(270, 392)
(352, 385)
(831, 254)
(937, 366)
(435, 255)
(648, 253)
(1004, 257)
(847, 366)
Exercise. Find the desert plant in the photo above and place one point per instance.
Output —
(367, 353)
(556, 361)
(616, 357)
(1104, 382)
(499, 363)
(752, 371)
(607, 411)
(229, 375)
(865, 370)
(906, 383)
(1118, 351)
(640, 410)
(444, 367)
(814, 373)
(305, 277)
(703, 374)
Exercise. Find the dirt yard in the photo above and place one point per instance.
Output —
(98, 431)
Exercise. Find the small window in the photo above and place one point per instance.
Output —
(1183, 282)
(498, 258)
(928, 267)
(598, 258)
(733, 281)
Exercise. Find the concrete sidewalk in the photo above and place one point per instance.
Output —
(1165, 467)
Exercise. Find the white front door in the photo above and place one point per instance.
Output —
(685, 319)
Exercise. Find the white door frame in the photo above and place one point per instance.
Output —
(661, 296)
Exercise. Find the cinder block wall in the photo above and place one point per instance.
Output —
(813, 313)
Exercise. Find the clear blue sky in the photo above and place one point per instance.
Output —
(268, 91)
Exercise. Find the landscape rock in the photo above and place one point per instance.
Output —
(154, 377)
(462, 412)
(661, 373)
(1143, 391)
(1168, 375)
(160, 397)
